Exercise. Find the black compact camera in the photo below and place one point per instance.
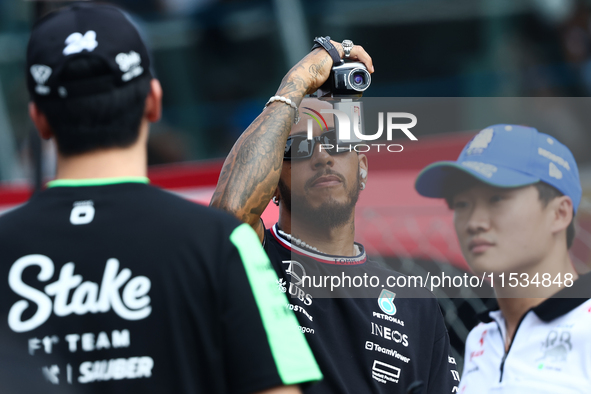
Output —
(347, 79)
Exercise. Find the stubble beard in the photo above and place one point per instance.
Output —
(329, 215)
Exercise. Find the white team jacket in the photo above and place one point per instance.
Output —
(550, 352)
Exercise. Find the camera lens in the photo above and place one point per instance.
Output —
(358, 78)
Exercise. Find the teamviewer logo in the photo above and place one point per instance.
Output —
(369, 345)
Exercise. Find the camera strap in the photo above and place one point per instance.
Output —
(325, 43)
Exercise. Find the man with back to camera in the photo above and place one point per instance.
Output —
(514, 192)
(362, 346)
(116, 286)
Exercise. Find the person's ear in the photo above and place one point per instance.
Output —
(276, 197)
(153, 109)
(40, 121)
(362, 170)
(561, 209)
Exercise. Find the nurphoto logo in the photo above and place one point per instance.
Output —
(352, 138)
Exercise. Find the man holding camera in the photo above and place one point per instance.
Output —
(514, 192)
(114, 286)
(374, 343)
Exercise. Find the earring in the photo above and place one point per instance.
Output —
(363, 173)
(362, 186)
(275, 200)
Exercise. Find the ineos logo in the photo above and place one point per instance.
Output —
(388, 333)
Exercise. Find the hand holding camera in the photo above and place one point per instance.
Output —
(324, 68)
(347, 79)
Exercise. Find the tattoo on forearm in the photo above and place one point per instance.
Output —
(293, 84)
(251, 171)
(315, 69)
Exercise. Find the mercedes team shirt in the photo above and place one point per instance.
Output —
(365, 345)
(550, 352)
(114, 286)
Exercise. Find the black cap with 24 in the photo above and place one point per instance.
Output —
(93, 30)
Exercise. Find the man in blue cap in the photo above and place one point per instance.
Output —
(514, 192)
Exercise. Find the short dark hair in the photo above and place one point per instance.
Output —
(460, 181)
(105, 120)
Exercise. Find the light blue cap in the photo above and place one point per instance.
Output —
(508, 156)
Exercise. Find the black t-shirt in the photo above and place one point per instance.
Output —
(365, 344)
(125, 288)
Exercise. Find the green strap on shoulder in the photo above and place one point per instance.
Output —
(293, 357)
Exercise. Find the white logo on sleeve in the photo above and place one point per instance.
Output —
(554, 172)
(130, 65)
(41, 74)
(76, 42)
(82, 213)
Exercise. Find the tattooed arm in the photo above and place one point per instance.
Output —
(251, 171)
